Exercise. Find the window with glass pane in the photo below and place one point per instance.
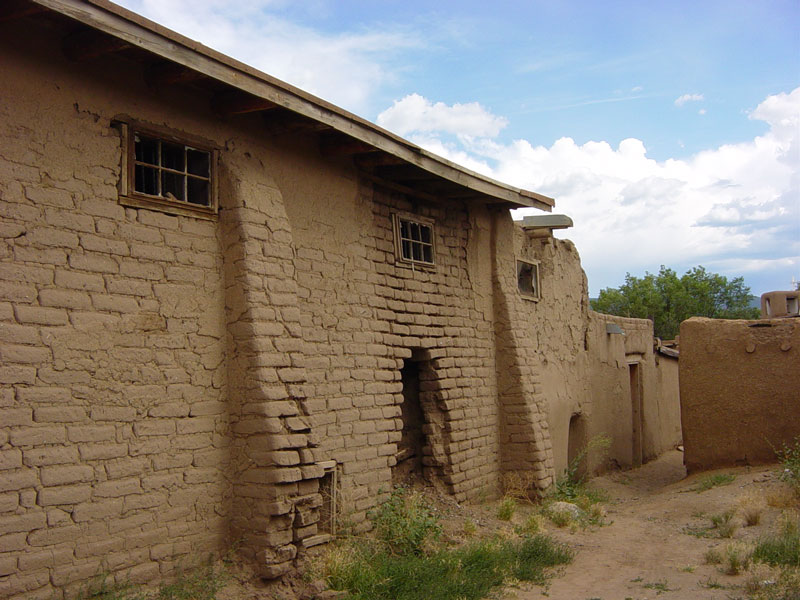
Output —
(415, 241)
(173, 171)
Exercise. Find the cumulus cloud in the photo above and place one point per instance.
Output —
(681, 100)
(250, 31)
(735, 208)
(416, 114)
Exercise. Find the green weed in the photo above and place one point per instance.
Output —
(715, 480)
(197, 584)
(789, 456)
(782, 549)
(507, 508)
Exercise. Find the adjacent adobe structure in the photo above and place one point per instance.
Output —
(739, 383)
(230, 311)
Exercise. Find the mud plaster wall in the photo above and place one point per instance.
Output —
(583, 371)
(122, 447)
(739, 385)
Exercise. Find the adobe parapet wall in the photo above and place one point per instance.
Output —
(740, 390)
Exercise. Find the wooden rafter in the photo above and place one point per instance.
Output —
(398, 187)
(377, 159)
(330, 145)
(238, 103)
(87, 44)
(280, 122)
(11, 10)
(165, 74)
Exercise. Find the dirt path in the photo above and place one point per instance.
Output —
(645, 552)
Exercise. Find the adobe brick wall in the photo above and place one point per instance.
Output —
(739, 386)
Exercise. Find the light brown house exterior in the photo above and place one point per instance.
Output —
(178, 375)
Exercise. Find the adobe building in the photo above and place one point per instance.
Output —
(232, 312)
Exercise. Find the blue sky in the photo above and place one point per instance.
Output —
(668, 131)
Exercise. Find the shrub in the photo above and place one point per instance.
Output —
(570, 485)
(406, 523)
(713, 556)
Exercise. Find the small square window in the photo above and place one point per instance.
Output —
(414, 241)
(528, 279)
(164, 172)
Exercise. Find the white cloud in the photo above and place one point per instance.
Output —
(317, 62)
(735, 208)
(681, 100)
(416, 114)
(702, 111)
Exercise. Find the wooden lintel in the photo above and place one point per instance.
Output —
(238, 103)
(338, 146)
(88, 44)
(11, 11)
(164, 74)
(398, 187)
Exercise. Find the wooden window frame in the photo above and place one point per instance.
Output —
(129, 196)
(536, 295)
(397, 219)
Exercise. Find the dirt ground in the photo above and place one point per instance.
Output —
(646, 549)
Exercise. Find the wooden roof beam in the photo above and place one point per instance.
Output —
(397, 187)
(377, 159)
(167, 73)
(228, 104)
(11, 10)
(281, 122)
(341, 146)
(88, 43)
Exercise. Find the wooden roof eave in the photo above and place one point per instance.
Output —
(142, 33)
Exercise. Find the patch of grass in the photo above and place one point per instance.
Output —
(714, 480)
(688, 569)
(789, 456)
(713, 556)
(782, 497)
(470, 528)
(782, 549)
(533, 524)
(368, 572)
(507, 508)
(737, 558)
(724, 524)
(751, 505)
(765, 583)
(712, 584)
(659, 586)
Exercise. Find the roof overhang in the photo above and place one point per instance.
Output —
(101, 27)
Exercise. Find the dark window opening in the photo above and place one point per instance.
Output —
(528, 279)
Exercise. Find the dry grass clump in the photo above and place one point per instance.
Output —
(737, 557)
(519, 485)
(713, 556)
(725, 524)
(782, 496)
(751, 505)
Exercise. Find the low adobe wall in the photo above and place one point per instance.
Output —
(739, 383)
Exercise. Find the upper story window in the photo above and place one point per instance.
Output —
(414, 240)
(165, 172)
(528, 279)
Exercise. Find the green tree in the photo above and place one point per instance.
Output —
(667, 299)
